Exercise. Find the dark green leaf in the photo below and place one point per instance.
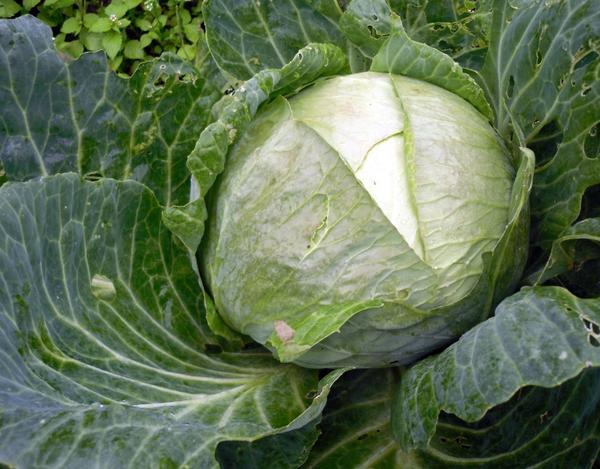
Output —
(577, 245)
(248, 36)
(81, 117)
(9, 8)
(541, 75)
(356, 424)
(458, 28)
(133, 50)
(71, 25)
(538, 427)
(367, 24)
(143, 24)
(29, 4)
(116, 8)
(280, 451)
(208, 68)
(103, 345)
(192, 32)
(91, 41)
(541, 337)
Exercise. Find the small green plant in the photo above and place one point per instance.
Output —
(129, 31)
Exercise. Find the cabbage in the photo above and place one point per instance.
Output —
(357, 212)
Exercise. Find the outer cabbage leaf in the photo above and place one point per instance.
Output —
(538, 427)
(367, 24)
(208, 68)
(541, 76)
(104, 358)
(458, 28)
(59, 116)
(455, 27)
(248, 36)
(541, 337)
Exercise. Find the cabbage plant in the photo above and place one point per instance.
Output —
(364, 204)
(350, 234)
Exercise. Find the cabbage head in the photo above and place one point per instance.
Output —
(356, 222)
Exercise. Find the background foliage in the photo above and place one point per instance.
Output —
(129, 31)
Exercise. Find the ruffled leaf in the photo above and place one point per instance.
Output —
(539, 337)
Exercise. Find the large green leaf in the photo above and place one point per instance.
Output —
(541, 76)
(104, 354)
(79, 116)
(538, 427)
(248, 36)
(541, 337)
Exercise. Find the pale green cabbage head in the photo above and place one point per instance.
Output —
(352, 222)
